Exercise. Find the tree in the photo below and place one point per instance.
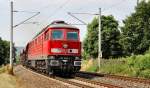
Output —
(4, 51)
(110, 37)
(136, 30)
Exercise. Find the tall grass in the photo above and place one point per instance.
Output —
(2, 69)
(137, 66)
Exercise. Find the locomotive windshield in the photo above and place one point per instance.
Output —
(57, 34)
(72, 35)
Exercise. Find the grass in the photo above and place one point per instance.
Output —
(2, 69)
(6, 80)
(6, 69)
(134, 66)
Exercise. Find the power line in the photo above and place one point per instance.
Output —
(59, 8)
(55, 11)
(85, 13)
(77, 18)
(47, 6)
(25, 11)
(26, 19)
(114, 5)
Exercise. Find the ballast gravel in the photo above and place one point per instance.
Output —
(27, 79)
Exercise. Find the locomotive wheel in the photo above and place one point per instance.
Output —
(50, 72)
(72, 75)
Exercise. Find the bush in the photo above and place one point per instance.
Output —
(145, 73)
(135, 66)
(113, 66)
(93, 67)
(141, 62)
(85, 55)
(139, 65)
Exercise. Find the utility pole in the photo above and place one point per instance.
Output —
(99, 40)
(11, 33)
(11, 39)
(99, 34)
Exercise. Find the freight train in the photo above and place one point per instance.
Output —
(54, 50)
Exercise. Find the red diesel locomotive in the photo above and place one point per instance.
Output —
(56, 49)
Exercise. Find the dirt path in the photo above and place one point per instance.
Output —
(26, 79)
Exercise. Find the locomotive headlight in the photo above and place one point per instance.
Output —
(56, 50)
(77, 63)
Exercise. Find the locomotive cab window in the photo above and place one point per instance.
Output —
(72, 35)
(57, 34)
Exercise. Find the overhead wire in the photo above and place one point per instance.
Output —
(45, 7)
(57, 9)
(54, 12)
(112, 6)
(67, 1)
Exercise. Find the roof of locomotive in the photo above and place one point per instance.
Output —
(57, 24)
(62, 26)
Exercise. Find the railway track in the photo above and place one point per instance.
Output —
(97, 83)
(125, 78)
(72, 83)
(84, 83)
(76, 82)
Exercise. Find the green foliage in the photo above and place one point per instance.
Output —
(148, 51)
(140, 62)
(113, 66)
(134, 40)
(135, 32)
(140, 65)
(85, 55)
(4, 51)
(17, 60)
(94, 67)
(135, 66)
(110, 37)
(145, 73)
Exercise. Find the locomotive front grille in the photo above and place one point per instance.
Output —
(65, 61)
(54, 63)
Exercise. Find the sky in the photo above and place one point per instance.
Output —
(51, 10)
